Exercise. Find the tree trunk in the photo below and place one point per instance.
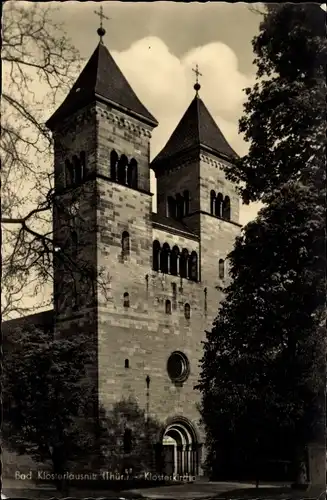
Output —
(59, 470)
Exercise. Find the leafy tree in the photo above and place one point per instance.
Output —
(284, 115)
(260, 375)
(48, 398)
(128, 436)
(263, 370)
(52, 414)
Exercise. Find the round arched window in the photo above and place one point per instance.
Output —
(178, 367)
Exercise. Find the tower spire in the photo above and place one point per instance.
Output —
(101, 31)
(197, 86)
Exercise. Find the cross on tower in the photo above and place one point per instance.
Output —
(197, 86)
(101, 31)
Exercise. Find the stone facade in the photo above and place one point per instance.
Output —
(135, 342)
(143, 333)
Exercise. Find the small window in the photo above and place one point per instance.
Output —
(219, 205)
(125, 244)
(168, 307)
(221, 269)
(164, 258)
(126, 299)
(126, 363)
(212, 202)
(113, 165)
(186, 196)
(179, 206)
(226, 208)
(122, 169)
(183, 264)
(193, 266)
(156, 255)
(174, 256)
(132, 174)
(187, 311)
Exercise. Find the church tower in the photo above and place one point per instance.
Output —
(192, 188)
(102, 224)
(142, 286)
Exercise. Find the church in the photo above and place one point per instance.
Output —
(164, 271)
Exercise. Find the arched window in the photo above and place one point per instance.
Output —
(132, 173)
(69, 175)
(122, 169)
(187, 311)
(126, 299)
(164, 258)
(193, 266)
(183, 264)
(127, 441)
(171, 207)
(226, 208)
(74, 239)
(174, 261)
(82, 157)
(156, 255)
(125, 244)
(168, 307)
(212, 202)
(113, 165)
(76, 170)
(221, 269)
(179, 206)
(186, 196)
(126, 363)
(219, 205)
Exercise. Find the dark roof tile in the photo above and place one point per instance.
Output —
(196, 128)
(169, 222)
(101, 77)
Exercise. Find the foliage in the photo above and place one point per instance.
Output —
(284, 115)
(139, 453)
(260, 375)
(51, 408)
(263, 369)
(48, 397)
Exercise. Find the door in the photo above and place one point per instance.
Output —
(169, 462)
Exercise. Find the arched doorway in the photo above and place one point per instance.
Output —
(180, 449)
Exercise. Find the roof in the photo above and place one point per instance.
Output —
(101, 77)
(171, 223)
(196, 128)
(43, 320)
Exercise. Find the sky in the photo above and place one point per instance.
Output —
(157, 44)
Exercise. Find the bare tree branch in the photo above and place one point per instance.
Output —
(39, 66)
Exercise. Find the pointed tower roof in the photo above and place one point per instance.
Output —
(196, 129)
(102, 78)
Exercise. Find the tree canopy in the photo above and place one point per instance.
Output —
(263, 369)
(48, 397)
